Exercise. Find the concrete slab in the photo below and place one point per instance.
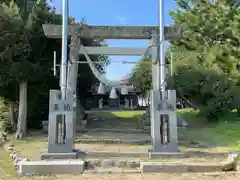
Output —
(96, 135)
(46, 155)
(113, 154)
(170, 167)
(166, 155)
(112, 171)
(26, 168)
(112, 141)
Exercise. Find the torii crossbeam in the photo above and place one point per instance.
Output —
(112, 32)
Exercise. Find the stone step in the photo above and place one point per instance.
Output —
(111, 141)
(112, 171)
(83, 130)
(106, 154)
(165, 155)
(118, 130)
(134, 162)
(29, 168)
(92, 164)
(171, 167)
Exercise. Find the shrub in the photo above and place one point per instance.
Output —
(215, 93)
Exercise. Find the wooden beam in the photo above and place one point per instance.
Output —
(115, 51)
(111, 32)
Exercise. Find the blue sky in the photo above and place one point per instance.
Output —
(119, 12)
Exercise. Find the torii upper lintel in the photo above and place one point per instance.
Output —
(111, 32)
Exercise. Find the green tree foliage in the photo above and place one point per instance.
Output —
(142, 73)
(21, 56)
(189, 4)
(26, 54)
(208, 53)
(186, 4)
(142, 76)
(205, 59)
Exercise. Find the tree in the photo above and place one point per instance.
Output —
(21, 55)
(208, 53)
(205, 58)
(27, 58)
(189, 4)
(142, 76)
(14, 26)
(186, 4)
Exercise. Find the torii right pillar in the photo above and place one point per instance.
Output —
(162, 110)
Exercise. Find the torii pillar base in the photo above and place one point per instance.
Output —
(60, 127)
(164, 123)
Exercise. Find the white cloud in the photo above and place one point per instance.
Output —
(122, 20)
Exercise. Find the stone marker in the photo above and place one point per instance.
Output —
(60, 128)
(41, 167)
(231, 163)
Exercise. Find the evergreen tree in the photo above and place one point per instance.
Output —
(27, 61)
(207, 55)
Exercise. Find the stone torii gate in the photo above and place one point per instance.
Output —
(163, 105)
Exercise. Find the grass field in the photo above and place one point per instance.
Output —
(225, 133)
(117, 119)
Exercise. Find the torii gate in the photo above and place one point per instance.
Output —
(163, 104)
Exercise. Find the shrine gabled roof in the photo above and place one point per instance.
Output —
(108, 89)
(126, 79)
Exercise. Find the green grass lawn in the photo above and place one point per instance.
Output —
(6, 168)
(119, 114)
(127, 114)
(225, 132)
(117, 119)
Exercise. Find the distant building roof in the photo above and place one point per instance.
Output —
(126, 79)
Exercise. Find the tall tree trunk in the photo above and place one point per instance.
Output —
(12, 114)
(22, 111)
